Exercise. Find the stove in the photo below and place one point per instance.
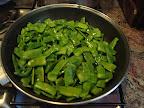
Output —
(10, 97)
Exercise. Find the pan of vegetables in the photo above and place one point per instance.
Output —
(65, 54)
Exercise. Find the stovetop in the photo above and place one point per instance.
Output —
(10, 97)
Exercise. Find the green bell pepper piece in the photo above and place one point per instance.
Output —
(80, 50)
(70, 91)
(30, 54)
(81, 25)
(101, 83)
(16, 67)
(101, 47)
(60, 82)
(21, 62)
(51, 50)
(88, 57)
(39, 61)
(50, 23)
(96, 91)
(114, 42)
(52, 76)
(45, 87)
(109, 76)
(84, 73)
(50, 66)
(18, 52)
(48, 95)
(109, 66)
(24, 73)
(76, 60)
(26, 81)
(70, 48)
(39, 72)
(69, 74)
(96, 33)
(101, 72)
(87, 85)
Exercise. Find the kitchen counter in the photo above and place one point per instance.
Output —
(133, 85)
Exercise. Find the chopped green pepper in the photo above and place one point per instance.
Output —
(114, 42)
(39, 61)
(101, 83)
(52, 76)
(39, 71)
(69, 74)
(109, 66)
(70, 91)
(96, 90)
(45, 87)
(30, 54)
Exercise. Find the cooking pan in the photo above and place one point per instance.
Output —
(69, 12)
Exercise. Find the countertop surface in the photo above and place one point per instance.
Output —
(133, 85)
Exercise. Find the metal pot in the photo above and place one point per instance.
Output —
(69, 12)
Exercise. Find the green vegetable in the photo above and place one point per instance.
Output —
(30, 54)
(39, 72)
(82, 25)
(96, 91)
(52, 76)
(60, 81)
(76, 60)
(50, 66)
(17, 70)
(101, 83)
(21, 62)
(80, 50)
(101, 72)
(39, 61)
(26, 81)
(69, 74)
(18, 52)
(46, 94)
(23, 73)
(45, 87)
(114, 42)
(64, 59)
(109, 66)
(50, 51)
(88, 57)
(109, 76)
(69, 91)
(83, 73)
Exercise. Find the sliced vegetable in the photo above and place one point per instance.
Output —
(52, 76)
(69, 73)
(45, 87)
(39, 61)
(70, 91)
(39, 72)
(64, 59)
